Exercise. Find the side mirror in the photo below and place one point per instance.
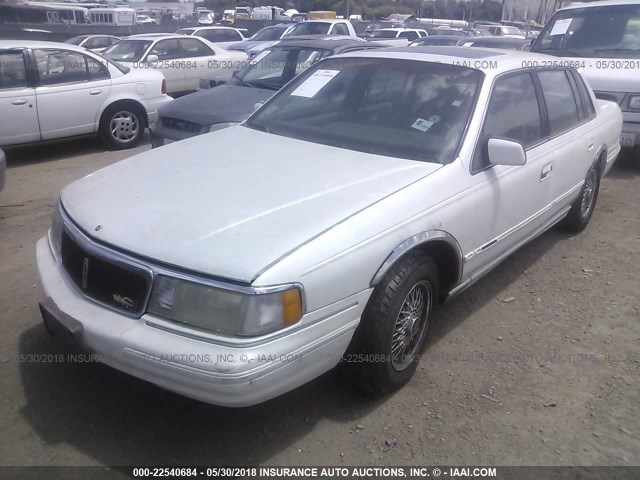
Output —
(152, 58)
(506, 152)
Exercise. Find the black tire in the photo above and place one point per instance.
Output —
(582, 208)
(122, 125)
(369, 361)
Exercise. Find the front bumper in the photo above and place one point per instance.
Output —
(151, 105)
(161, 135)
(179, 360)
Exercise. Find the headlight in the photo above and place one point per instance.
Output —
(225, 311)
(220, 126)
(56, 228)
(634, 102)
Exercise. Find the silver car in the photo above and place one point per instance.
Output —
(329, 226)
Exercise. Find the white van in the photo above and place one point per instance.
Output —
(602, 40)
(113, 16)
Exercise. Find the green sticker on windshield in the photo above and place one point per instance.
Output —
(422, 124)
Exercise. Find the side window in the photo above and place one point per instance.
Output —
(408, 35)
(98, 42)
(559, 100)
(97, 69)
(166, 49)
(60, 66)
(12, 70)
(590, 110)
(194, 48)
(513, 114)
(340, 29)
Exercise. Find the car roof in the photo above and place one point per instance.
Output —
(441, 37)
(154, 36)
(607, 3)
(328, 43)
(211, 27)
(490, 40)
(399, 29)
(39, 44)
(490, 61)
(324, 20)
(322, 38)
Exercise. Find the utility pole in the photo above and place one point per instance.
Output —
(348, 13)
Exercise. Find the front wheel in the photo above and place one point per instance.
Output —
(122, 126)
(386, 347)
(582, 208)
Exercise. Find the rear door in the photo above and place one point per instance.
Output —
(198, 55)
(169, 53)
(18, 106)
(71, 90)
(571, 134)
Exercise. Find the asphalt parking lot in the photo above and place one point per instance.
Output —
(535, 365)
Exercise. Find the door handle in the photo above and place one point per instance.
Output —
(591, 147)
(95, 92)
(19, 102)
(546, 172)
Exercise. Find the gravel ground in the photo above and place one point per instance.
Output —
(535, 365)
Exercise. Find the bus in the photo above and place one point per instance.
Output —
(40, 12)
(116, 16)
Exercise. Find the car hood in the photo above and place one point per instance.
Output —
(233, 202)
(225, 103)
(246, 44)
(602, 79)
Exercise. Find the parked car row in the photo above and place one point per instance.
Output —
(327, 227)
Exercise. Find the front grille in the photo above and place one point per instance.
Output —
(121, 287)
(182, 125)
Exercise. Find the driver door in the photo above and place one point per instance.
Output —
(511, 203)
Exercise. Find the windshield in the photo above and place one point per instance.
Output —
(75, 40)
(385, 34)
(611, 31)
(511, 31)
(274, 69)
(128, 50)
(311, 28)
(268, 33)
(400, 108)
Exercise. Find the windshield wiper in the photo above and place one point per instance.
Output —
(235, 76)
(558, 52)
(617, 50)
(265, 86)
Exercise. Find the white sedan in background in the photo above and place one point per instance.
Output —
(54, 90)
(182, 60)
(221, 36)
(93, 43)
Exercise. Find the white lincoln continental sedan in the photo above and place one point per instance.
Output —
(370, 189)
